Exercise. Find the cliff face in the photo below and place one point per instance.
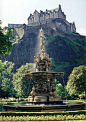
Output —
(66, 49)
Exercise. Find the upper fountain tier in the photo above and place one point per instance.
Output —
(42, 60)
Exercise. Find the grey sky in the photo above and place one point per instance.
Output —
(17, 11)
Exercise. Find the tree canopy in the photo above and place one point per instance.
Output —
(60, 90)
(6, 77)
(22, 86)
(5, 41)
(76, 81)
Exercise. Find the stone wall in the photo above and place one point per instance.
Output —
(56, 23)
(15, 25)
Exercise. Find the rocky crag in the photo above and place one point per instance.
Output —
(66, 49)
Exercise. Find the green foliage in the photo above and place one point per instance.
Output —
(60, 90)
(58, 66)
(49, 39)
(6, 85)
(75, 43)
(22, 86)
(42, 113)
(76, 81)
(5, 77)
(52, 116)
(12, 99)
(16, 39)
(5, 41)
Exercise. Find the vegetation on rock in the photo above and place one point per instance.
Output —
(5, 41)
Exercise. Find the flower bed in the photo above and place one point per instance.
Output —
(37, 116)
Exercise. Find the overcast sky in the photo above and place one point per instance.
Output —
(17, 11)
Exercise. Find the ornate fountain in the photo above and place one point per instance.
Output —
(43, 90)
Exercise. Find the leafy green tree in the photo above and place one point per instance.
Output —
(76, 81)
(6, 77)
(60, 90)
(6, 87)
(5, 41)
(22, 86)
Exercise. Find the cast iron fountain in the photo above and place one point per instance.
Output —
(43, 90)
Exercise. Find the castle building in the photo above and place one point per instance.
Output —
(54, 18)
(48, 16)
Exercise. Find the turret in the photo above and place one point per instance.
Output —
(59, 7)
(73, 27)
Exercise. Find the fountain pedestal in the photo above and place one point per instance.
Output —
(43, 90)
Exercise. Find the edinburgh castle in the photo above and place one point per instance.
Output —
(53, 18)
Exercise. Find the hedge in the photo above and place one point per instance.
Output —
(42, 113)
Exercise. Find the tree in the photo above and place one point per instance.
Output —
(60, 90)
(21, 85)
(76, 81)
(5, 78)
(5, 41)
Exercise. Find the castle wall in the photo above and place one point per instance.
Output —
(56, 23)
(47, 16)
(30, 21)
(15, 25)
(42, 17)
(51, 15)
(36, 17)
(60, 25)
(55, 14)
(73, 28)
(63, 16)
(60, 14)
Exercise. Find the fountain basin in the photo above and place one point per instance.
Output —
(45, 108)
(43, 74)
